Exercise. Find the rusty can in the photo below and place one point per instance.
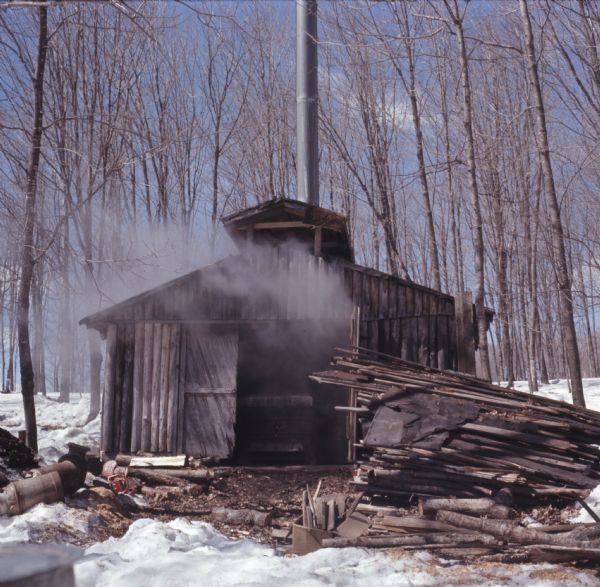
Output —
(22, 495)
(72, 474)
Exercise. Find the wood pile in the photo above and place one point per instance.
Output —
(430, 433)
(484, 528)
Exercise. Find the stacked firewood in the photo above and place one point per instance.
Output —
(430, 433)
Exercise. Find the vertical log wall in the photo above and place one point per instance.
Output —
(141, 392)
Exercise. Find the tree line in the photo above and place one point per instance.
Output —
(459, 138)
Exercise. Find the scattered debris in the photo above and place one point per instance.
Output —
(15, 457)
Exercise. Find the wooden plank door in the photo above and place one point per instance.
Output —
(209, 402)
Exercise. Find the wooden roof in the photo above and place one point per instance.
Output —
(307, 214)
(283, 219)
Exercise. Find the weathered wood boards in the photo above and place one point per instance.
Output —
(433, 433)
(147, 410)
(210, 392)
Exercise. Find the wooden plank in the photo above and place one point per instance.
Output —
(401, 310)
(127, 391)
(410, 301)
(138, 388)
(442, 343)
(160, 462)
(318, 241)
(426, 303)
(465, 343)
(181, 395)
(418, 297)
(156, 379)
(165, 347)
(357, 292)
(210, 412)
(147, 386)
(374, 283)
(384, 297)
(118, 387)
(174, 366)
(108, 399)
(208, 428)
(392, 299)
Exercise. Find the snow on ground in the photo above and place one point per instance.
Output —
(29, 525)
(181, 552)
(558, 389)
(58, 423)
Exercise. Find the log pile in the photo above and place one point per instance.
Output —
(484, 528)
(429, 433)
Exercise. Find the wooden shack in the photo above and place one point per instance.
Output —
(216, 363)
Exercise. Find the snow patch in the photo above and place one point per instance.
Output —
(58, 423)
(23, 527)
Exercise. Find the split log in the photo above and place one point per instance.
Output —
(483, 506)
(124, 460)
(146, 398)
(138, 386)
(508, 531)
(165, 349)
(415, 524)
(449, 539)
(154, 478)
(557, 553)
(240, 517)
(202, 476)
(168, 492)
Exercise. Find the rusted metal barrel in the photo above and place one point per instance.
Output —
(37, 565)
(21, 495)
(72, 474)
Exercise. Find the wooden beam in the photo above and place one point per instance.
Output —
(465, 341)
(108, 403)
(318, 241)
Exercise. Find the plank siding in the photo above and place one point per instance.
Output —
(153, 368)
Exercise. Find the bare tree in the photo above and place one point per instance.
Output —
(27, 252)
(477, 221)
(557, 233)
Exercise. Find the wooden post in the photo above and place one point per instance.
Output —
(108, 397)
(173, 388)
(318, 241)
(156, 378)
(147, 386)
(181, 395)
(165, 348)
(127, 390)
(138, 387)
(465, 336)
(352, 393)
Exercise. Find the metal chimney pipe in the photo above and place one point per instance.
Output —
(307, 121)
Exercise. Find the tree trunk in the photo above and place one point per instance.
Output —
(27, 259)
(38, 333)
(567, 321)
(477, 220)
